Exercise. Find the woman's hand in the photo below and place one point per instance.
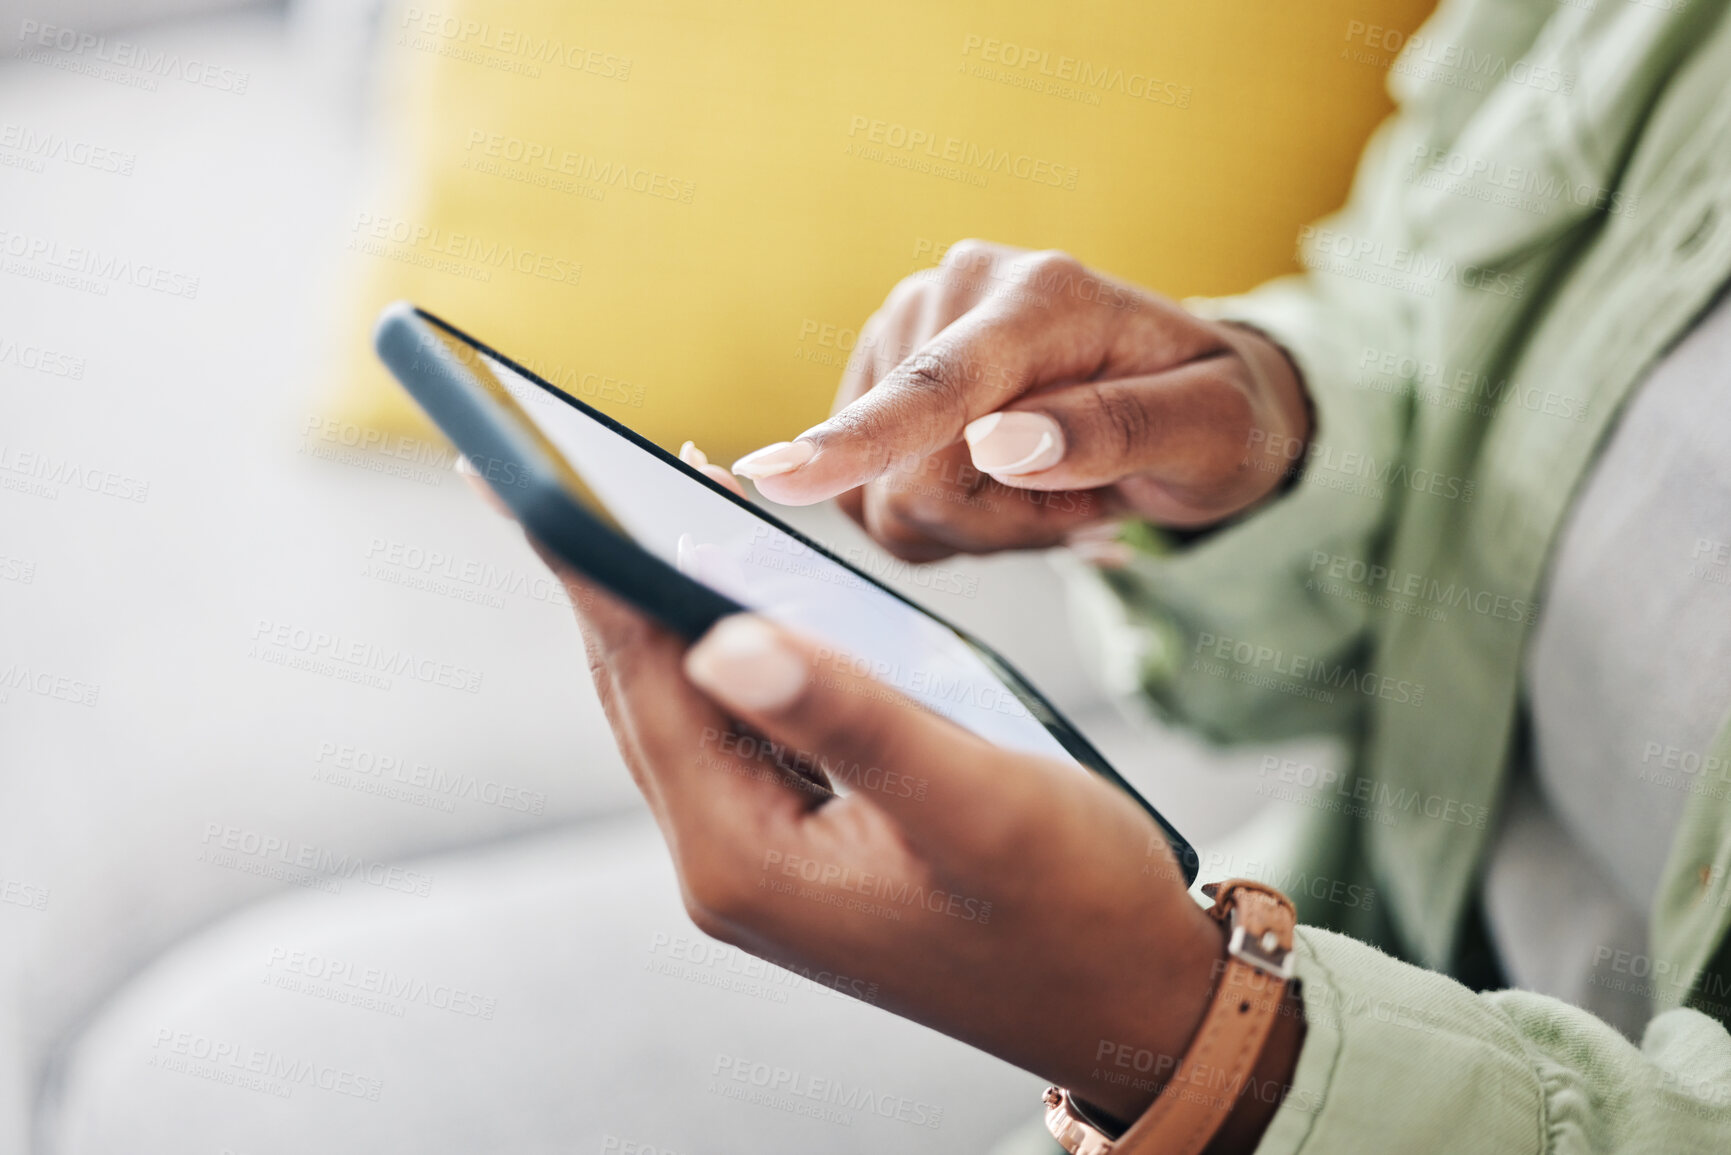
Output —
(1009, 399)
(1013, 902)
(1019, 904)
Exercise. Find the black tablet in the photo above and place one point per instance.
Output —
(662, 536)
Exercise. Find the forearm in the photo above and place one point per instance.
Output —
(1259, 1092)
(1226, 1075)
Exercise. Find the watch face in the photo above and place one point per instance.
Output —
(1072, 1127)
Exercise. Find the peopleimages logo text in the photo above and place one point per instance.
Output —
(364, 655)
(102, 267)
(913, 139)
(125, 54)
(1084, 74)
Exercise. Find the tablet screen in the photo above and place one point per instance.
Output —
(716, 541)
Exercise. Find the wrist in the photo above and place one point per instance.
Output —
(1129, 1069)
(1259, 1097)
(1224, 1090)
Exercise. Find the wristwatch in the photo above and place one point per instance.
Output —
(1259, 923)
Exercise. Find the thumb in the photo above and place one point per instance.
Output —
(924, 770)
(1188, 426)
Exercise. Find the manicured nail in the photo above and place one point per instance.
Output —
(1105, 531)
(741, 662)
(1014, 443)
(1105, 554)
(782, 457)
(693, 456)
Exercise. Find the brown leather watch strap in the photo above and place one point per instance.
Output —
(1204, 1090)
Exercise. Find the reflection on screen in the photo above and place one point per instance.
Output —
(714, 541)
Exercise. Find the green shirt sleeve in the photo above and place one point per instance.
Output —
(1229, 635)
(1225, 629)
(1397, 1058)
(1219, 626)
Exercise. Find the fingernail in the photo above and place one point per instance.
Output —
(1105, 554)
(1014, 443)
(742, 662)
(693, 456)
(1105, 531)
(782, 457)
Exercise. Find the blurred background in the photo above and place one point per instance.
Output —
(255, 897)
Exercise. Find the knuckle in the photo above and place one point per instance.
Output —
(867, 422)
(891, 350)
(968, 251)
(967, 273)
(1123, 420)
(921, 400)
(935, 376)
(1051, 260)
(1049, 267)
(1049, 276)
(870, 335)
(908, 296)
(951, 298)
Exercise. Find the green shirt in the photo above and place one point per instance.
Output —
(1548, 211)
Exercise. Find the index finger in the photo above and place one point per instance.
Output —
(1018, 339)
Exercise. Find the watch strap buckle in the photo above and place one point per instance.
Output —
(1259, 922)
(1264, 952)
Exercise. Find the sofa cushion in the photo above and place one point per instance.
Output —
(683, 216)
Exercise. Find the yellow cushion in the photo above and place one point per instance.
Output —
(682, 212)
